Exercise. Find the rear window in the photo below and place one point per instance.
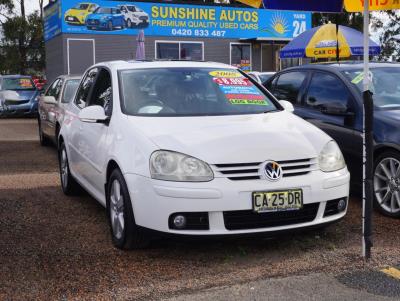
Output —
(191, 92)
(22, 83)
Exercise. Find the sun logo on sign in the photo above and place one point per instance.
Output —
(279, 24)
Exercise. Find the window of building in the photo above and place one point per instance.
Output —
(241, 56)
(191, 51)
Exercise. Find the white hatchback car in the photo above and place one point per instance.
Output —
(196, 149)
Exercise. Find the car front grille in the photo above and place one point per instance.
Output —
(93, 22)
(248, 219)
(143, 18)
(15, 103)
(253, 171)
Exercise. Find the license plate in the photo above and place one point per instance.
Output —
(70, 19)
(273, 201)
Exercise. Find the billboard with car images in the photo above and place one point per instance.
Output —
(177, 20)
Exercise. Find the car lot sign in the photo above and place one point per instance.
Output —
(307, 5)
(181, 20)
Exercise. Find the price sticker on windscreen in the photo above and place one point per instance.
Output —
(238, 89)
(25, 83)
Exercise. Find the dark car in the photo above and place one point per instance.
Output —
(329, 96)
(105, 18)
(18, 96)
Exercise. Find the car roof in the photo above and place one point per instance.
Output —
(66, 76)
(14, 76)
(125, 65)
(346, 65)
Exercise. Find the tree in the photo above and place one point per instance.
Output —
(353, 20)
(22, 44)
(389, 21)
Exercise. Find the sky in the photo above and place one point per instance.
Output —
(31, 5)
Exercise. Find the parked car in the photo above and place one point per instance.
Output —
(329, 96)
(18, 95)
(77, 14)
(52, 107)
(105, 18)
(134, 16)
(260, 77)
(196, 148)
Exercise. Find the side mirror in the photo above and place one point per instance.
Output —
(336, 108)
(93, 114)
(50, 100)
(287, 105)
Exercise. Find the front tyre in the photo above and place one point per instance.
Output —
(68, 183)
(110, 25)
(387, 183)
(124, 231)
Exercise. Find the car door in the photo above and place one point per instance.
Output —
(76, 147)
(118, 17)
(53, 111)
(93, 136)
(328, 104)
(47, 111)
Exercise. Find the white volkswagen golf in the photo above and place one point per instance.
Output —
(196, 149)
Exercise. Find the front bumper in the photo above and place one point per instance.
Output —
(154, 201)
(97, 24)
(26, 109)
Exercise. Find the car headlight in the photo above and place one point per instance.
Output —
(173, 166)
(331, 158)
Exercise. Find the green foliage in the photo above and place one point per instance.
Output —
(353, 20)
(390, 22)
(22, 45)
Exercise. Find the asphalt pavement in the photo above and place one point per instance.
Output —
(54, 247)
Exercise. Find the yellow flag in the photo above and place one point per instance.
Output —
(358, 5)
(253, 3)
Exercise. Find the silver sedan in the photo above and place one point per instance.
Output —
(52, 107)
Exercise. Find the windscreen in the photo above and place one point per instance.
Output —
(22, 83)
(190, 92)
(385, 85)
(103, 10)
(82, 6)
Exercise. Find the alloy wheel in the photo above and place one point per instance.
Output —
(117, 209)
(387, 184)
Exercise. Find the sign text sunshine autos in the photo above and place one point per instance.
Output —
(158, 19)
